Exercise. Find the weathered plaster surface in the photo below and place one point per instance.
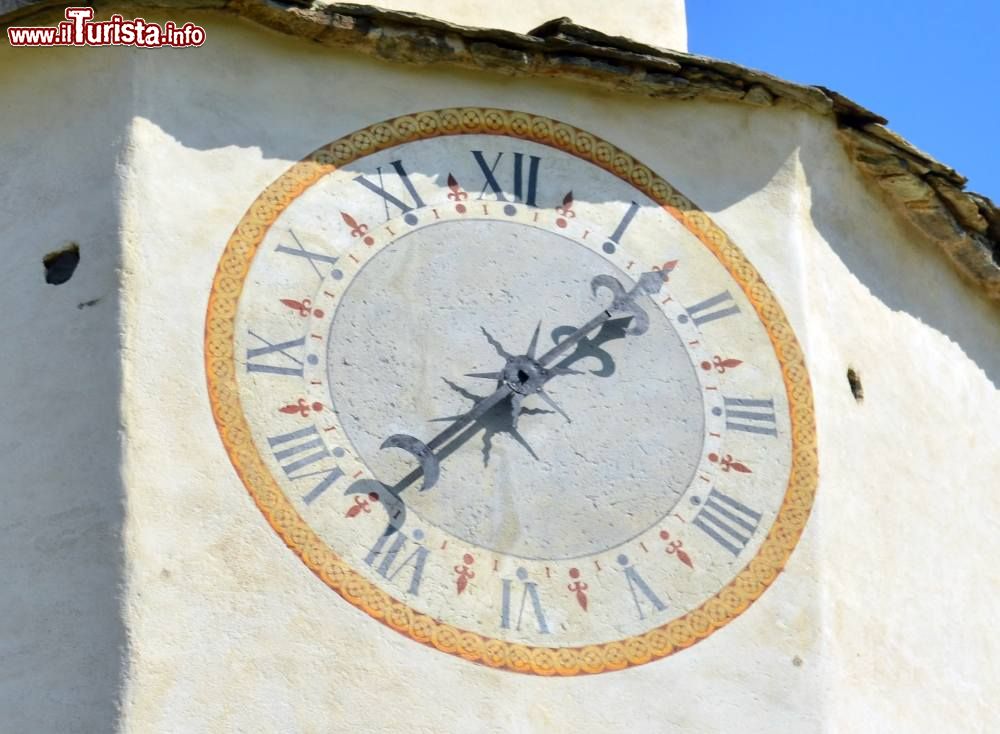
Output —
(882, 620)
(925, 193)
(62, 636)
(232, 631)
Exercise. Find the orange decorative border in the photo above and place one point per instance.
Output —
(745, 588)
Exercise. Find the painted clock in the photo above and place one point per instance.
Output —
(505, 389)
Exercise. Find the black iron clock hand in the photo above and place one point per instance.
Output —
(624, 302)
(424, 452)
(526, 375)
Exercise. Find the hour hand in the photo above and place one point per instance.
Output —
(429, 463)
(424, 452)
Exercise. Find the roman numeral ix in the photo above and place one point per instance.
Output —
(276, 358)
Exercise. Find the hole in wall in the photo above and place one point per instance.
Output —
(61, 264)
(854, 380)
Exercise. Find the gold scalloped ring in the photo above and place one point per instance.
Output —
(730, 601)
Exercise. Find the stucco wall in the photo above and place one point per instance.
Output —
(881, 621)
(62, 637)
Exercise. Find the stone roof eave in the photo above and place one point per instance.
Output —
(926, 193)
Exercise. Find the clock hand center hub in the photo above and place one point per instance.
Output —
(524, 375)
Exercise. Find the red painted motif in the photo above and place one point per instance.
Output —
(728, 463)
(579, 588)
(464, 574)
(303, 307)
(301, 408)
(665, 268)
(566, 210)
(457, 195)
(675, 548)
(362, 504)
(720, 364)
(357, 229)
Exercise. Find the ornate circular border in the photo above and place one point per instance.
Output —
(729, 602)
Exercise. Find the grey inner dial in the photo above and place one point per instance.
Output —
(410, 326)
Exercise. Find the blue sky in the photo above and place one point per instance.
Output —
(931, 68)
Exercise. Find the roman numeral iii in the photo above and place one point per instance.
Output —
(751, 416)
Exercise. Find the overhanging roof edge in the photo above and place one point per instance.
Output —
(928, 194)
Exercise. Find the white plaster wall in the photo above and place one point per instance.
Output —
(62, 639)
(661, 23)
(883, 618)
(232, 631)
(905, 499)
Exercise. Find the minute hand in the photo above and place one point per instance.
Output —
(624, 302)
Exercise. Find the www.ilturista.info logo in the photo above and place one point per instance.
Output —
(80, 30)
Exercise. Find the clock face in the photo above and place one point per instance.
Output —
(506, 390)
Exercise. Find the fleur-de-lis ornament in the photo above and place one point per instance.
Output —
(358, 229)
(301, 408)
(303, 307)
(565, 211)
(728, 463)
(720, 364)
(457, 195)
(676, 548)
(362, 504)
(665, 269)
(464, 574)
(579, 588)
